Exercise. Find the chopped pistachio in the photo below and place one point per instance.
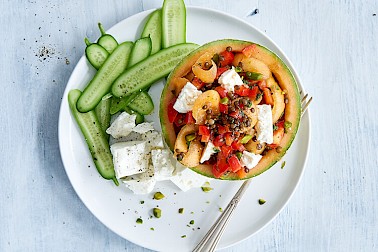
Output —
(216, 149)
(191, 222)
(142, 202)
(246, 139)
(224, 100)
(157, 212)
(254, 76)
(158, 196)
(206, 188)
(262, 201)
(181, 210)
(238, 69)
(275, 127)
(183, 236)
(190, 137)
(283, 164)
(139, 221)
(239, 155)
(220, 209)
(152, 229)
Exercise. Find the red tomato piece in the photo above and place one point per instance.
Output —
(223, 108)
(249, 50)
(229, 139)
(268, 98)
(223, 129)
(188, 118)
(227, 56)
(242, 91)
(198, 83)
(237, 146)
(253, 93)
(235, 114)
(220, 71)
(262, 84)
(234, 163)
(221, 91)
(218, 141)
(221, 166)
(226, 150)
(204, 132)
(179, 120)
(172, 113)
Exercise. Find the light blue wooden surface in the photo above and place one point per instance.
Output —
(334, 46)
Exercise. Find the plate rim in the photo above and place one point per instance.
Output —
(193, 8)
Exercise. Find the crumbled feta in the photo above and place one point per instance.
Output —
(230, 79)
(187, 179)
(250, 159)
(163, 167)
(186, 98)
(130, 158)
(122, 125)
(143, 128)
(209, 150)
(264, 126)
(154, 140)
(141, 183)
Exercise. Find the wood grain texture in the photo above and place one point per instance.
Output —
(333, 45)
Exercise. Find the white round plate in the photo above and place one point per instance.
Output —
(118, 209)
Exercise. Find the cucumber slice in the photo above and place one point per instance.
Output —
(152, 29)
(102, 111)
(153, 68)
(95, 54)
(112, 68)
(142, 104)
(95, 138)
(119, 104)
(139, 117)
(173, 23)
(107, 41)
(141, 50)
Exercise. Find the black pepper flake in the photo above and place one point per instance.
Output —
(374, 14)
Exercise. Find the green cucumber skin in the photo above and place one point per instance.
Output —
(142, 104)
(153, 68)
(96, 55)
(141, 50)
(108, 42)
(102, 111)
(99, 86)
(119, 104)
(94, 136)
(173, 23)
(153, 29)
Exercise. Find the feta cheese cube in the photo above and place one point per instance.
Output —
(230, 79)
(209, 150)
(122, 125)
(130, 158)
(141, 183)
(163, 168)
(187, 179)
(186, 98)
(250, 159)
(154, 140)
(264, 126)
(143, 128)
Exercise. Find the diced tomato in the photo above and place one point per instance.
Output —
(172, 113)
(237, 146)
(188, 118)
(242, 91)
(229, 139)
(234, 163)
(204, 132)
(280, 124)
(220, 71)
(223, 129)
(262, 84)
(223, 108)
(235, 114)
(221, 91)
(179, 121)
(253, 93)
(228, 57)
(241, 173)
(226, 150)
(277, 138)
(268, 98)
(249, 50)
(221, 166)
(218, 141)
(198, 83)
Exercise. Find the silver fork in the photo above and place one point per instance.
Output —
(210, 241)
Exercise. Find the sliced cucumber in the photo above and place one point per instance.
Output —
(173, 23)
(107, 41)
(95, 138)
(112, 68)
(152, 29)
(141, 50)
(103, 114)
(139, 117)
(146, 72)
(142, 104)
(119, 104)
(95, 54)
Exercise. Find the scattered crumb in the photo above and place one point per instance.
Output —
(183, 236)
(283, 164)
(254, 12)
(262, 201)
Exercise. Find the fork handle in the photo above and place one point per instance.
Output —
(210, 241)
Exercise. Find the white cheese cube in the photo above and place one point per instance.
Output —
(230, 79)
(209, 150)
(163, 168)
(250, 159)
(141, 183)
(186, 98)
(153, 139)
(122, 125)
(130, 158)
(187, 179)
(264, 126)
(143, 128)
